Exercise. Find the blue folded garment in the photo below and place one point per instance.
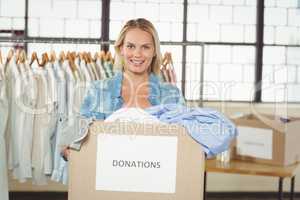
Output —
(208, 127)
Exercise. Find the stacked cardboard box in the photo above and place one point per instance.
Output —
(267, 139)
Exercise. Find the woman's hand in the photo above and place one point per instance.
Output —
(65, 153)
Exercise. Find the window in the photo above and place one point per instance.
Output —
(69, 18)
(281, 60)
(228, 67)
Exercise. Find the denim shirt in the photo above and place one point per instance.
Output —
(104, 96)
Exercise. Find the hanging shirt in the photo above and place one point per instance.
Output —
(90, 70)
(59, 164)
(100, 66)
(3, 124)
(94, 70)
(108, 66)
(52, 104)
(98, 69)
(41, 138)
(208, 127)
(15, 134)
(27, 103)
(85, 72)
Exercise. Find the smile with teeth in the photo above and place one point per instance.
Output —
(137, 62)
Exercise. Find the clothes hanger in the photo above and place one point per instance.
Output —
(109, 56)
(101, 55)
(89, 57)
(71, 60)
(165, 61)
(85, 57)
(96, 56)
(52, 56)
(45, 60)
(82, 57)
(33, 58)
(62, 56)
(1, 62)
(9, 55)
(170, 61)
(22, 56)
(105, 57)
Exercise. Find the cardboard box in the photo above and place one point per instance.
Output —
(131, 161)
(267, 139)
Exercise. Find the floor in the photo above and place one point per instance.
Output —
(210, 196)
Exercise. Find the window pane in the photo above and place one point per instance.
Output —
(69, 18)
(12, 14)
(229, 73)
(41, 48)
(282, 22)
(281, 74)
(12, 8)
(6, 23)
(221, 21)
(167, 16)
(193, 73)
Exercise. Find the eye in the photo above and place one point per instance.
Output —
(146, 47)
(129, 46)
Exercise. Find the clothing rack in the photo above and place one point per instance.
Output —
(63, 40)
(54, 40)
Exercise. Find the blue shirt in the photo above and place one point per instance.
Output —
(208, 127)
(104, 96)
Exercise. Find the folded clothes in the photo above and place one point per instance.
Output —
(208, 127)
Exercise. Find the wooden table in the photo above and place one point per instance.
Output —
(249, 168)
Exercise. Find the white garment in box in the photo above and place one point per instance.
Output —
(136, 115)
(255, 142)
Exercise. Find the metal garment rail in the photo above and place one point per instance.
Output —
(53, 40)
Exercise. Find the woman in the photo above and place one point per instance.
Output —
(138, 58)
(137, 84)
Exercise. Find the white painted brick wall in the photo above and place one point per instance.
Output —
(276, 16)
(274, 55)
(232, 33)
(243, 54)
(286, 35)
(244, 15)
(221, 14)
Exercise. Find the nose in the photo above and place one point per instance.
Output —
(137, 52)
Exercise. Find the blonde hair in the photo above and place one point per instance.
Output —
(146, 26)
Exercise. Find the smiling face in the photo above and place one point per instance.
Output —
(137, 51)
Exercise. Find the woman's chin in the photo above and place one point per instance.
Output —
(138, 71)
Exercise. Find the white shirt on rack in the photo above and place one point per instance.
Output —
(27, 104)
(14, 133)
(3, 124)
(41, 138)
(101, 69)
